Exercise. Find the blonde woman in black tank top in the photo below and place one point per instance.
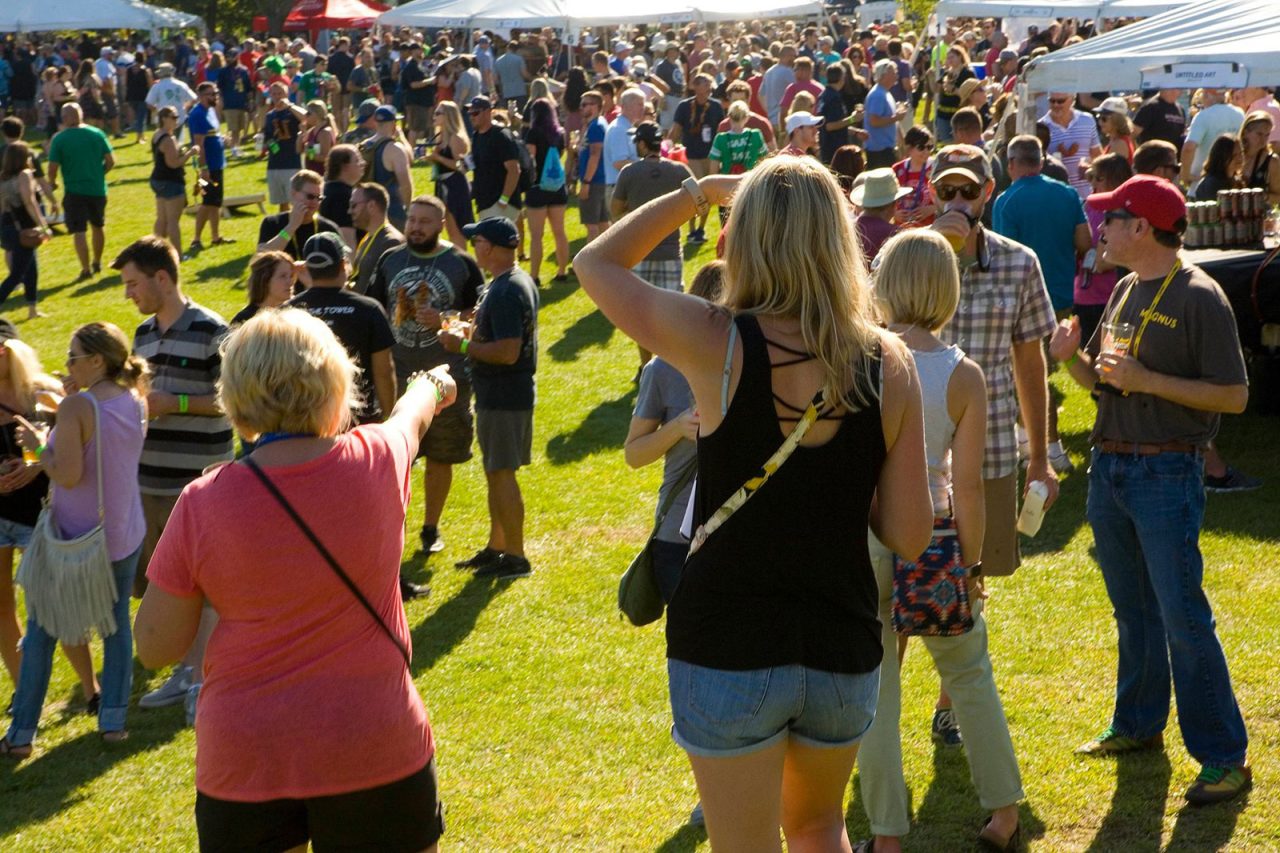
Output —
(772, 638)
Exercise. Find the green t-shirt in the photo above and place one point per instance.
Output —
(78, 151)
(311, 84)
(738, 152)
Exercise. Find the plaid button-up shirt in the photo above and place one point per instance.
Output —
(1003, 301)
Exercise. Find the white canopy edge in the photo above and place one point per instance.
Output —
(574, 14)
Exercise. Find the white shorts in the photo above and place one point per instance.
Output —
(278, 189)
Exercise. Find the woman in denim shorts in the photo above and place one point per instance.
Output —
(169, 176)
(773, 639)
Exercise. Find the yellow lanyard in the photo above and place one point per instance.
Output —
(1148, 312)
(363, 249)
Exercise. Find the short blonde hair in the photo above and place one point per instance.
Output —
(739, 111)
(916, 280)
(284, 371)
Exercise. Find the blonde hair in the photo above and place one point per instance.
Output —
(284, 371)
(319, 111)
(739, 111)
(916, 280)
(803, 102)
(453, 124)
(539, 88)
(26, 375)
(792, 252)
(122, 366)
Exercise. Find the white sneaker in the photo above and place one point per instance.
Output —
(173, 691)
(189, 702)
(1059, 459)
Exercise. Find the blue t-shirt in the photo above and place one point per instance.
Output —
(880, 103)
(595, 133)
(234, 85)
(204, 120)
(1042, 214)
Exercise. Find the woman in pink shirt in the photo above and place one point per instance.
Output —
(309, 727)
(1096, 278)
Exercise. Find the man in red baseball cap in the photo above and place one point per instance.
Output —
(1164, 365)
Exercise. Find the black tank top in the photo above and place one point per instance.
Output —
(160, 170)
(135, 84)
(788, 578)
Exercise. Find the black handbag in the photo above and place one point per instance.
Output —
(638, 594)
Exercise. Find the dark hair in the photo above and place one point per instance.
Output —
(1044, 134)
(1170, 239)
(1112, 168)
(375, 193)
(261, 269)
(340, 156)
(846, 164)
(12, 127)
(150, 254)
(17, 156)
(1218, 163)
(542, 120)
(835, 74)
(708, 282)
(575, 85)
(84, 72)
(966, 118)
(918, 136)
(1153, 154)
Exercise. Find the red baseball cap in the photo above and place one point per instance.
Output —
(1146, 196)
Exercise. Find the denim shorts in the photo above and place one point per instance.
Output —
(722, 713)
(168, 189)
(14, 535)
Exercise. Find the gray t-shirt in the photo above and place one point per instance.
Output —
(645, 180)
(663, 396)
(510, 81)
(1191, 334)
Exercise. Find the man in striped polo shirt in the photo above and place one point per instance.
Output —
(188, 431)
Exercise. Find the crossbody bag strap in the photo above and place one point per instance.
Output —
(324, 552)
(686, 476)
(728, 368)
(749, 488)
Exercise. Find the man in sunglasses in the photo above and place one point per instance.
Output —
(1003, 317)
(1073, 136)
(1162, 381)
(496, 153)
(289, 232)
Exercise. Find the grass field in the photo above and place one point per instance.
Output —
(551, 713)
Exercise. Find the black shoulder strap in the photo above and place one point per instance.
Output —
(324, 552)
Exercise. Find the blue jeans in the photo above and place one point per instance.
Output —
(117, 665)
(23, 268)
(1146, 513)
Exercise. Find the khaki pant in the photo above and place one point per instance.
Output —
(156, 510)
(965, 668)
(1000, 555)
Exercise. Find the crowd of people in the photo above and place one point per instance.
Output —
(892, 252)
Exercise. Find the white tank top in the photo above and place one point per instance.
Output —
(935, 369)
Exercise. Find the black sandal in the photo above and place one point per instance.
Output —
(14, 753)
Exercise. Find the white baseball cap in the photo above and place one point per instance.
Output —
(802, 119)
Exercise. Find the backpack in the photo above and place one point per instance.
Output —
(552, 179)
(528, 169)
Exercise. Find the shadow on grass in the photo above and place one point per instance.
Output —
(1067, 515)
(589, 330)
(1205, 827)
(684, 839)
(603, 429)
(43, 786)
(233, 268)
(438, 635)
(1136, 817)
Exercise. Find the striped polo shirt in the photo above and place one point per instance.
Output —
(184, 359)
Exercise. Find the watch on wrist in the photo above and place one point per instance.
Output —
(700, 202)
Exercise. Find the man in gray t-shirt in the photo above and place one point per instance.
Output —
(513, 76)
(642, 181)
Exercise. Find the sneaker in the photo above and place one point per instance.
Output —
(1111, 742)
(479, 559)
(945, 731)
(695, 816)
(171, 692)
(506, 566)
(410, 590)
(430, 538)
(1231, 481)
(1218, 784)
(189, 703)
(1059, 459)
(696, 237)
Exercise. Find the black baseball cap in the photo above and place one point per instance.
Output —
(649, 133)
(323, 253)
(480, 103)
(8, 331)
(498, 230)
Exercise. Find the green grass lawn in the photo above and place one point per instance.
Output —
(551, 713)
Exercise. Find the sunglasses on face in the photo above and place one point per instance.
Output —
(1117, 216)
(947, 192)
(1059, 101)
(312, 196)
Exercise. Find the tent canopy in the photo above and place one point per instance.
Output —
(1056, 8)
(574, 14)
(1245, 32)
(333, 15)
(32, 16)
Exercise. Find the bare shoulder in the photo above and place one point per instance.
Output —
(897, 367)
(967, 389)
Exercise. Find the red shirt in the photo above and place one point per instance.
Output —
(249, 59)
(757, 106)
(921, 194)
(304, 695)
(794, 89)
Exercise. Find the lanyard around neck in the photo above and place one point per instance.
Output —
(1148, 312)
(365, 245)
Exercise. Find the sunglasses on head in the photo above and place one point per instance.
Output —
(947, 192)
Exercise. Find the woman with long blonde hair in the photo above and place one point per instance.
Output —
(449, 159)
(773, 641)
(321, 134)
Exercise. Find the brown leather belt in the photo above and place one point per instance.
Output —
(1134, 448)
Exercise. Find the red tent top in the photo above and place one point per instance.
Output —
(333, 15)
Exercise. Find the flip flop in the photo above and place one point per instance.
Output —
(14, 753)
(222, 241)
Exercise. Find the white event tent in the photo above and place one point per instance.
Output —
(30, 16)
(574, 14)
(1229, 43)
(1080, 9)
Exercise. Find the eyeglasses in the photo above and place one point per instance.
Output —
(313, 196)
(72, 356)
(1117, 216)
(947, 192)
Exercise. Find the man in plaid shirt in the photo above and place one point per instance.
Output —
(1003, 316)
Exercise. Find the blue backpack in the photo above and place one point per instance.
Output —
(552, 179)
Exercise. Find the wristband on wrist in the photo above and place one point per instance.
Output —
(503, 199)
(184, 403)
(284, 234)
(464, 346)
(1075, 356)
(40, 451)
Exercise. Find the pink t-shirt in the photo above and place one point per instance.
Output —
(303, 695)
(1094, 288)
(810, 86)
